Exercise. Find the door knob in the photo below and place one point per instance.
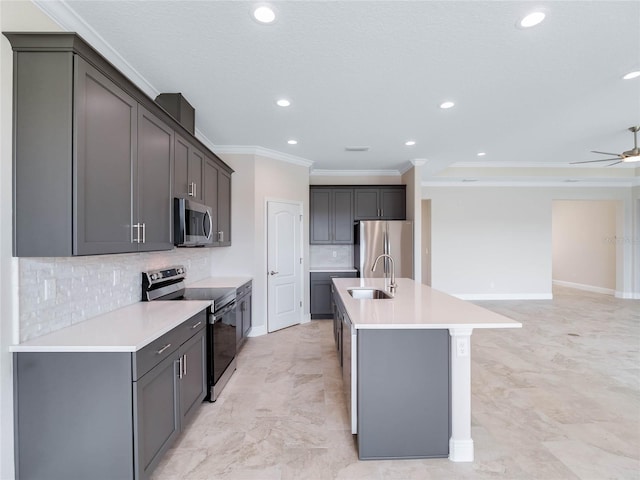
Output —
(273, 273)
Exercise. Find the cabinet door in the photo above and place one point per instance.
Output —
(321, 298)
(181, 167)
(342, 210)
(224, 208)
(106, 136)
(393, 203)
(321, 218)
(196, 165)
(153, 193)
(193, 384)
(366, 204)
(211, 175)
(246, 315)
(156, 414)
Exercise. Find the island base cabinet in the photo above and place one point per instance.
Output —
(403, 393)
(69, 409)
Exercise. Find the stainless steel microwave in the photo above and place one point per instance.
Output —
(192, 223)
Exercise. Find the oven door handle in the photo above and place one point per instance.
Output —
(217, 316)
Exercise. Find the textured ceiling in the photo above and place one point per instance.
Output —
(374, 73)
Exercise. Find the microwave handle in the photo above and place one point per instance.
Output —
(208, 215)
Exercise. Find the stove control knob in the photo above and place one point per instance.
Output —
(154, 276)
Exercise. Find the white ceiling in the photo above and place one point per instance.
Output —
(374, 72)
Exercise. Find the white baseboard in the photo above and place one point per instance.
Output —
(587, 288)
(627, 295)
(257, 331)
(306, 318)
(461, 450)
(503, 296)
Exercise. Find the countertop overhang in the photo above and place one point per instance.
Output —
(414, 306)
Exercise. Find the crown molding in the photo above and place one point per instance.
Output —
(418, 162)
(263, 152)
(356, 173)
(526, 165)
(69, 21)
(533, 183)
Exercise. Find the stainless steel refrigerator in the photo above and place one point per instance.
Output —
(372, 238)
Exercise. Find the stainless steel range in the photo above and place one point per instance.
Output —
(169, 284)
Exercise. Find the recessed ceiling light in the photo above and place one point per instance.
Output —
(481, 154)
(292, 142)
(532, 19)
(264, 14)
(631, 75)
(410, 143)
(283, 102)
(446, 105)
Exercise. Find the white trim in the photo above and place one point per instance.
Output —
(460, 450)
(527, 182)
(503, 296)
(355, 173)
(263, 152)
(306, 318)
(487, 164)
(587, 288)
(69, 20)
(257, 331)
(627, 295)
(418, 162)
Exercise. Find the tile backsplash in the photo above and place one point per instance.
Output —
(58, 292)
(330, 256)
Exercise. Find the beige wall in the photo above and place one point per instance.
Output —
(14, 16)
(412, 178)
(584, 243)
(495, 242)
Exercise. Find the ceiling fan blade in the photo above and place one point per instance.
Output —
(614, 163)
(592, 161)
(606, 153)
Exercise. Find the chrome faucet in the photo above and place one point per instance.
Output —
(392, 285)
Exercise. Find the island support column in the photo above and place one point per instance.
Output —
(460, 443)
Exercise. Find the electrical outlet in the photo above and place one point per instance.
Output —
(50, 289)
(462, 347)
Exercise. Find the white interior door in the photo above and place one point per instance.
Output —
(284, 267)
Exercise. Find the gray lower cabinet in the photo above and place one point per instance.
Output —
(107, 415)
(320, 292)
(403, 393)
(243, 312)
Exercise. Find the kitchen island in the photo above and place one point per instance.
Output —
(399, 355)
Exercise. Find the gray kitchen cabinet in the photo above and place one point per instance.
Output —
(224, 209)
(331, 215)
(217, 195)
(188, 170)
(93, 154)
(380, 202)
(243, 313)
(403, 393)
(320, 292)
(107, 414)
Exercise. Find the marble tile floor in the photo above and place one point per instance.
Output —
(557, 399)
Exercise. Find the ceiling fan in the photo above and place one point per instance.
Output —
(632, 155)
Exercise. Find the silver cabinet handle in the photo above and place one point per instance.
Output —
(135, 239)
(180, 367)
(191, 191)
(159, 352)
(144, 233)
(196, 325)
(184, 365)
(221, 236)
(195, 189)
(273, 273)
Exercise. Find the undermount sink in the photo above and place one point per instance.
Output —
(368, 294)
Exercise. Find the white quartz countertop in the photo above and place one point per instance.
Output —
(415, 306)
(220, 282)
(332, 269)
(127, 329)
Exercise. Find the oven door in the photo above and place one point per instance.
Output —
(222, 349)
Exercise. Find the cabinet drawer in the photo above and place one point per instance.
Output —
(327, 276)
(161, 348)
(192, 326)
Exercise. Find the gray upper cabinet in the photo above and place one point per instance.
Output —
(96, 161)
(331, 212)
(211, 193)
(380, 203)
(188, 170)
(217, 195)
(153, 182)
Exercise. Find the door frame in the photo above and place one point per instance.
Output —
(265, 263)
